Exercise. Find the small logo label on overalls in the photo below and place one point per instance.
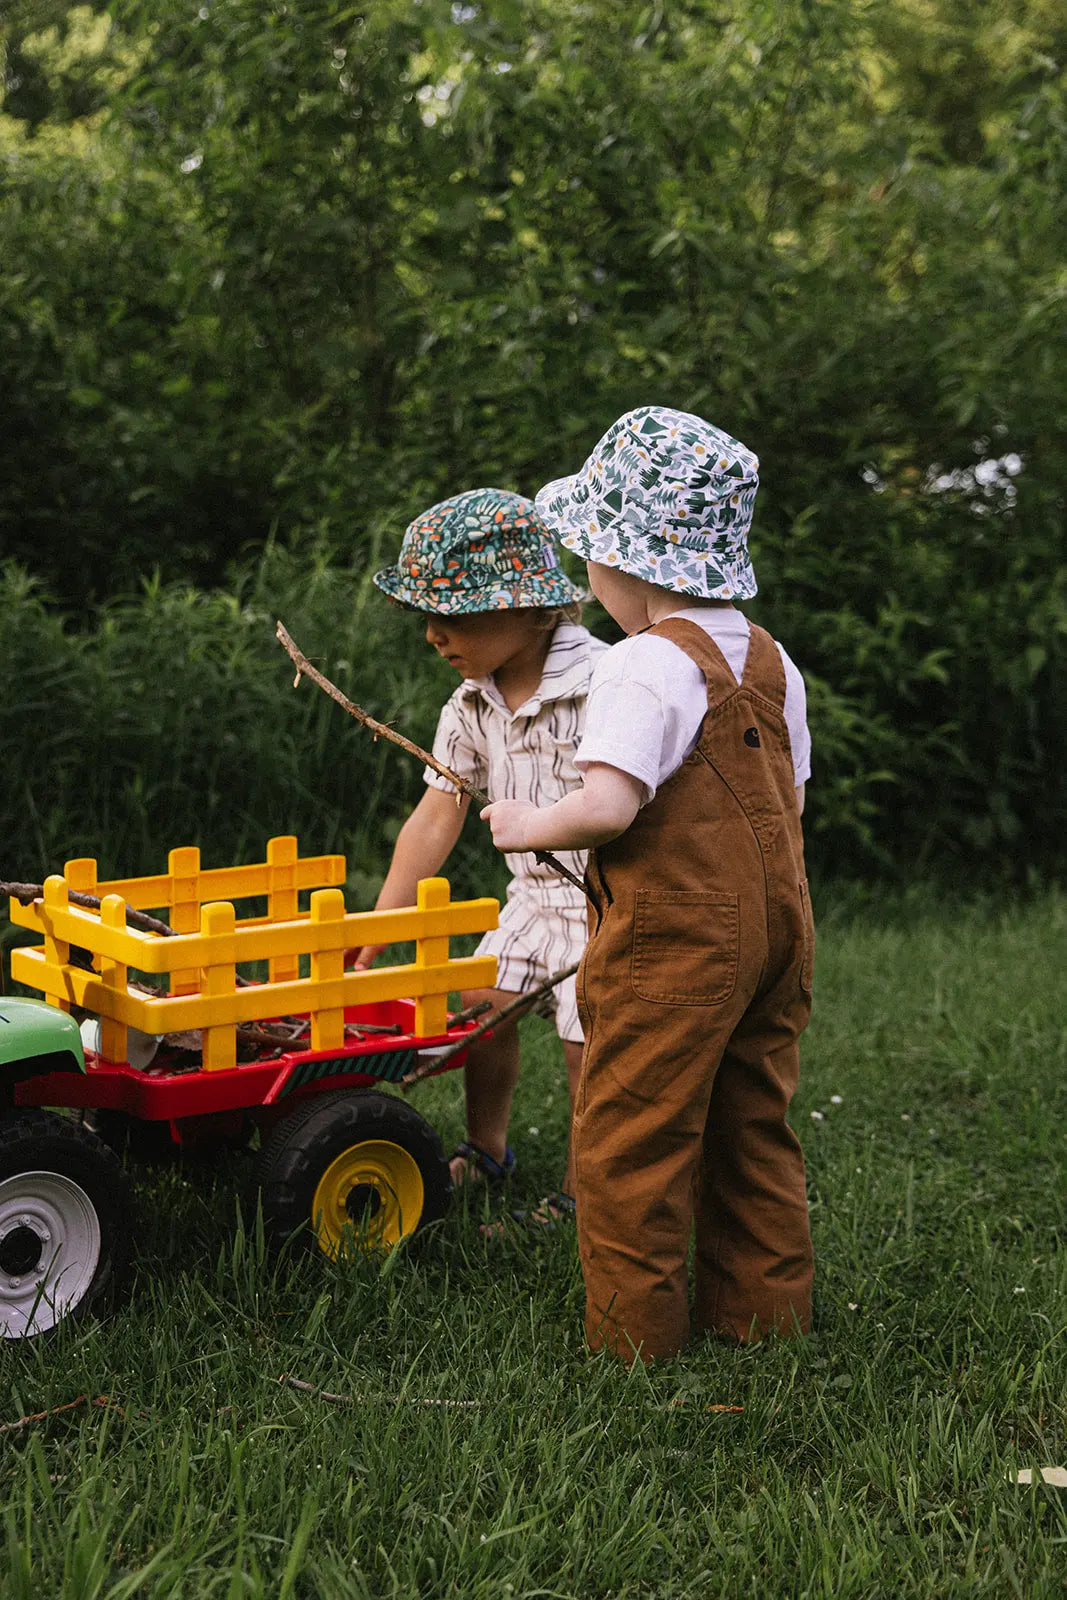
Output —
(751, 737)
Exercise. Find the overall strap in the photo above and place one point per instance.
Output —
(701, 648)
(764, 671)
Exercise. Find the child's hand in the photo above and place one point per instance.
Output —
(362, 957)
(508, 819)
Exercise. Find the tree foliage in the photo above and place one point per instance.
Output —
(292, 272)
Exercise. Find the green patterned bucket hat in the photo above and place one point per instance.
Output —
(485, 550)
(666, 497)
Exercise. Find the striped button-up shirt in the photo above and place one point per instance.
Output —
(527, 754)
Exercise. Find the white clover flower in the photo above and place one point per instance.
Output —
(835, 1099)
(817, 1116)
(533, 1132)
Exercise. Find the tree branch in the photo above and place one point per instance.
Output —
(382, 730)
(27, 893)
(517, 1008)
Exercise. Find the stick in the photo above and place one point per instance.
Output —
(39, 1416)
(290, 1036)
(414, 1400)
(26, 893)
(469, 1013)
(251, 1035)
(517, 1007)
(325, 1394)
(382, 730)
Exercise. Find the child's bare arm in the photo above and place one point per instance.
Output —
(601, 809)
(422, 847)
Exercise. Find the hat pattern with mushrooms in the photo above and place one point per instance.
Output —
(484, 550)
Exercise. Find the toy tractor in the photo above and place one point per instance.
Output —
(297, 1054)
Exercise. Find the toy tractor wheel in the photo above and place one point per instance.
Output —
(64, 1223)
(130, 1137)
(352, 1173)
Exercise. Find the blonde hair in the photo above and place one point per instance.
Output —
(550, 616)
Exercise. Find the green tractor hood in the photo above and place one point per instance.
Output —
(36, 1037)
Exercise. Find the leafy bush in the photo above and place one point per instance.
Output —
(170, 718)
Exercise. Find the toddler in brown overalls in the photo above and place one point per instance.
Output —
(696, 983)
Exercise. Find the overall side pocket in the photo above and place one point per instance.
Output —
(685, 947)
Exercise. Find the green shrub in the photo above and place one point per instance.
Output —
(170, 718)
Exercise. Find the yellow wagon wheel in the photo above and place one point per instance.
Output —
(350, 1172)
(372, 1193)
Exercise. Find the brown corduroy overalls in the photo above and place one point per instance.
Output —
(694, 990)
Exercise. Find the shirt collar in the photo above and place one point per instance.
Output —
(564, 675)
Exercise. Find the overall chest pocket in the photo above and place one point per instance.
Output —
(685, 947)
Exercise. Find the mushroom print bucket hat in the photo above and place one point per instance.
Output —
(485, 550)
(665, 496)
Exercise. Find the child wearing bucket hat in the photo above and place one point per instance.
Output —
(696, 983)
(482, 569)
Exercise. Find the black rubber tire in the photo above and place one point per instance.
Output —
(143, 1143)
(349, 1129)
(84, 1186)
(133, 1138)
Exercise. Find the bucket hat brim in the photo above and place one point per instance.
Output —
(526, 591)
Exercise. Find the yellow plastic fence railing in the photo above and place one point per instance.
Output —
(202, 960)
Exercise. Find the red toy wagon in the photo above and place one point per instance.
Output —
(200, 1051)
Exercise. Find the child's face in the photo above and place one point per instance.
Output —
(479, 643)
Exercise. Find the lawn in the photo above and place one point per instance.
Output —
(477, 1451)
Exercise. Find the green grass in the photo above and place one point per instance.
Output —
(872, 1459)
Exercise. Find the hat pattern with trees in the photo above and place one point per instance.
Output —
(665, 496)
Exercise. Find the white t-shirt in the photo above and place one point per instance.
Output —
(647, 700)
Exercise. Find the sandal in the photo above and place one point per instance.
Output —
(550, 1212)
(478, 1162)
